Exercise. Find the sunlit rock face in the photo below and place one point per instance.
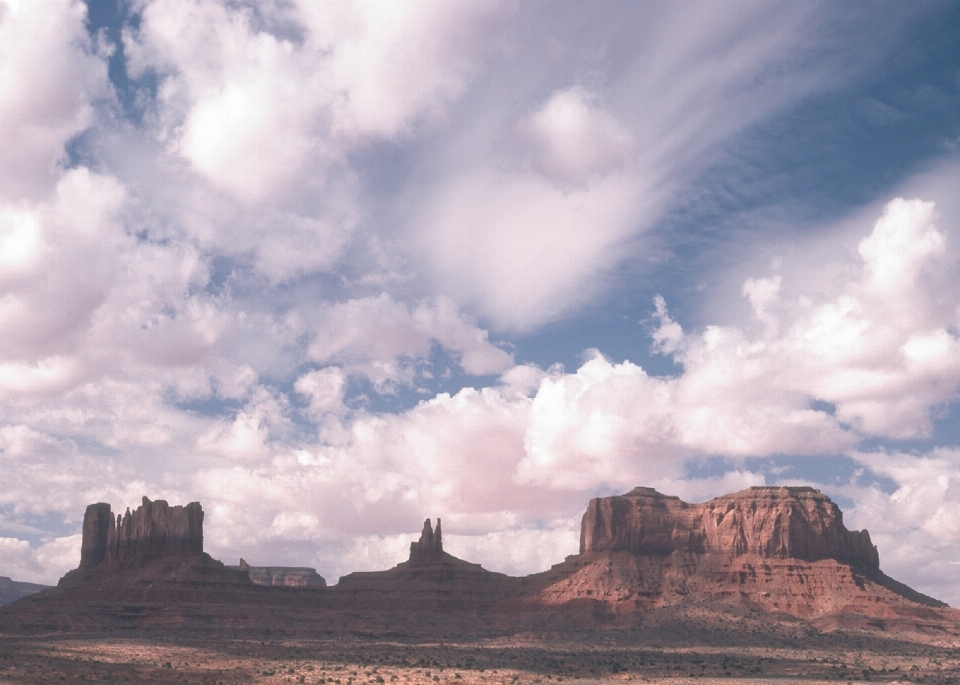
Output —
(769, 548)
(154, 530)
(282, 576)
(765, 522)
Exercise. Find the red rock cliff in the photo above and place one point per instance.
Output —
(768, 522)
(153, 531)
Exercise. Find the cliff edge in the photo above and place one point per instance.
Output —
(767, 522)
(153, 531)
(774, 548)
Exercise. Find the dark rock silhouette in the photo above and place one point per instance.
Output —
(12, 590)
(430, 544)
(154, 552)
(153, 531)
(282, 576)
(430, 578)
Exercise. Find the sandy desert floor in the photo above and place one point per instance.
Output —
(166, 659)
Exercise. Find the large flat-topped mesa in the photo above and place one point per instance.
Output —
(153, 530)
(779, 548)
(769, 522)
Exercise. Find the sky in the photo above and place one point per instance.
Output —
(333, 268)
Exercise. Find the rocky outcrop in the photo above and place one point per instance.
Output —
(12, 590)
(767, 522)
(429, 579)
(153, 531)
(776, 548)
(283, 576)
(151, 556)
(430, 544)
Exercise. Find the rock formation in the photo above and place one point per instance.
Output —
(779, 548)
(767, 522)
(762, 553)
(430, 578)
(430, 544)
(152, 554)
(282, 576)
(153, 531)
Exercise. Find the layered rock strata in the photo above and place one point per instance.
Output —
(776, 548)
(282, 576)
(153, 554)
(767, 522)
(153, 530)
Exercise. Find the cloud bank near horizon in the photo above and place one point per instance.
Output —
(297, 279)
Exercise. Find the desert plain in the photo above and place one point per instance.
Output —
(789, 652)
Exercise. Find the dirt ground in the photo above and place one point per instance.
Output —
(163, 658)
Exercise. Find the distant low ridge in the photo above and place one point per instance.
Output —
(12, 590)
(282, 576)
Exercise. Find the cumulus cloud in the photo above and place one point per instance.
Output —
(58, 260)
(260, 111)
(502, 461)
(915, 526)
(39, 115)
(573, 140)
(370, 335)
(43, 564)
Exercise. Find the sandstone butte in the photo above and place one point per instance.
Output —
(765, 550)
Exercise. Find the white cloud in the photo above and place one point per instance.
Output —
(39, 114)
(524, 214)
(573, 140)
(916, 526)
(371, 335)
(259, 113)
(518, 248)
(44, 564)
(324, 388)
(533, 449)
(60, 259)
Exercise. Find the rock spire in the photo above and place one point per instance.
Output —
(430, 544)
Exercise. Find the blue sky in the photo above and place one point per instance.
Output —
(332, 268)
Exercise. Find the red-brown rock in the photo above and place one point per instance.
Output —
(775, 548)
(768, 522)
